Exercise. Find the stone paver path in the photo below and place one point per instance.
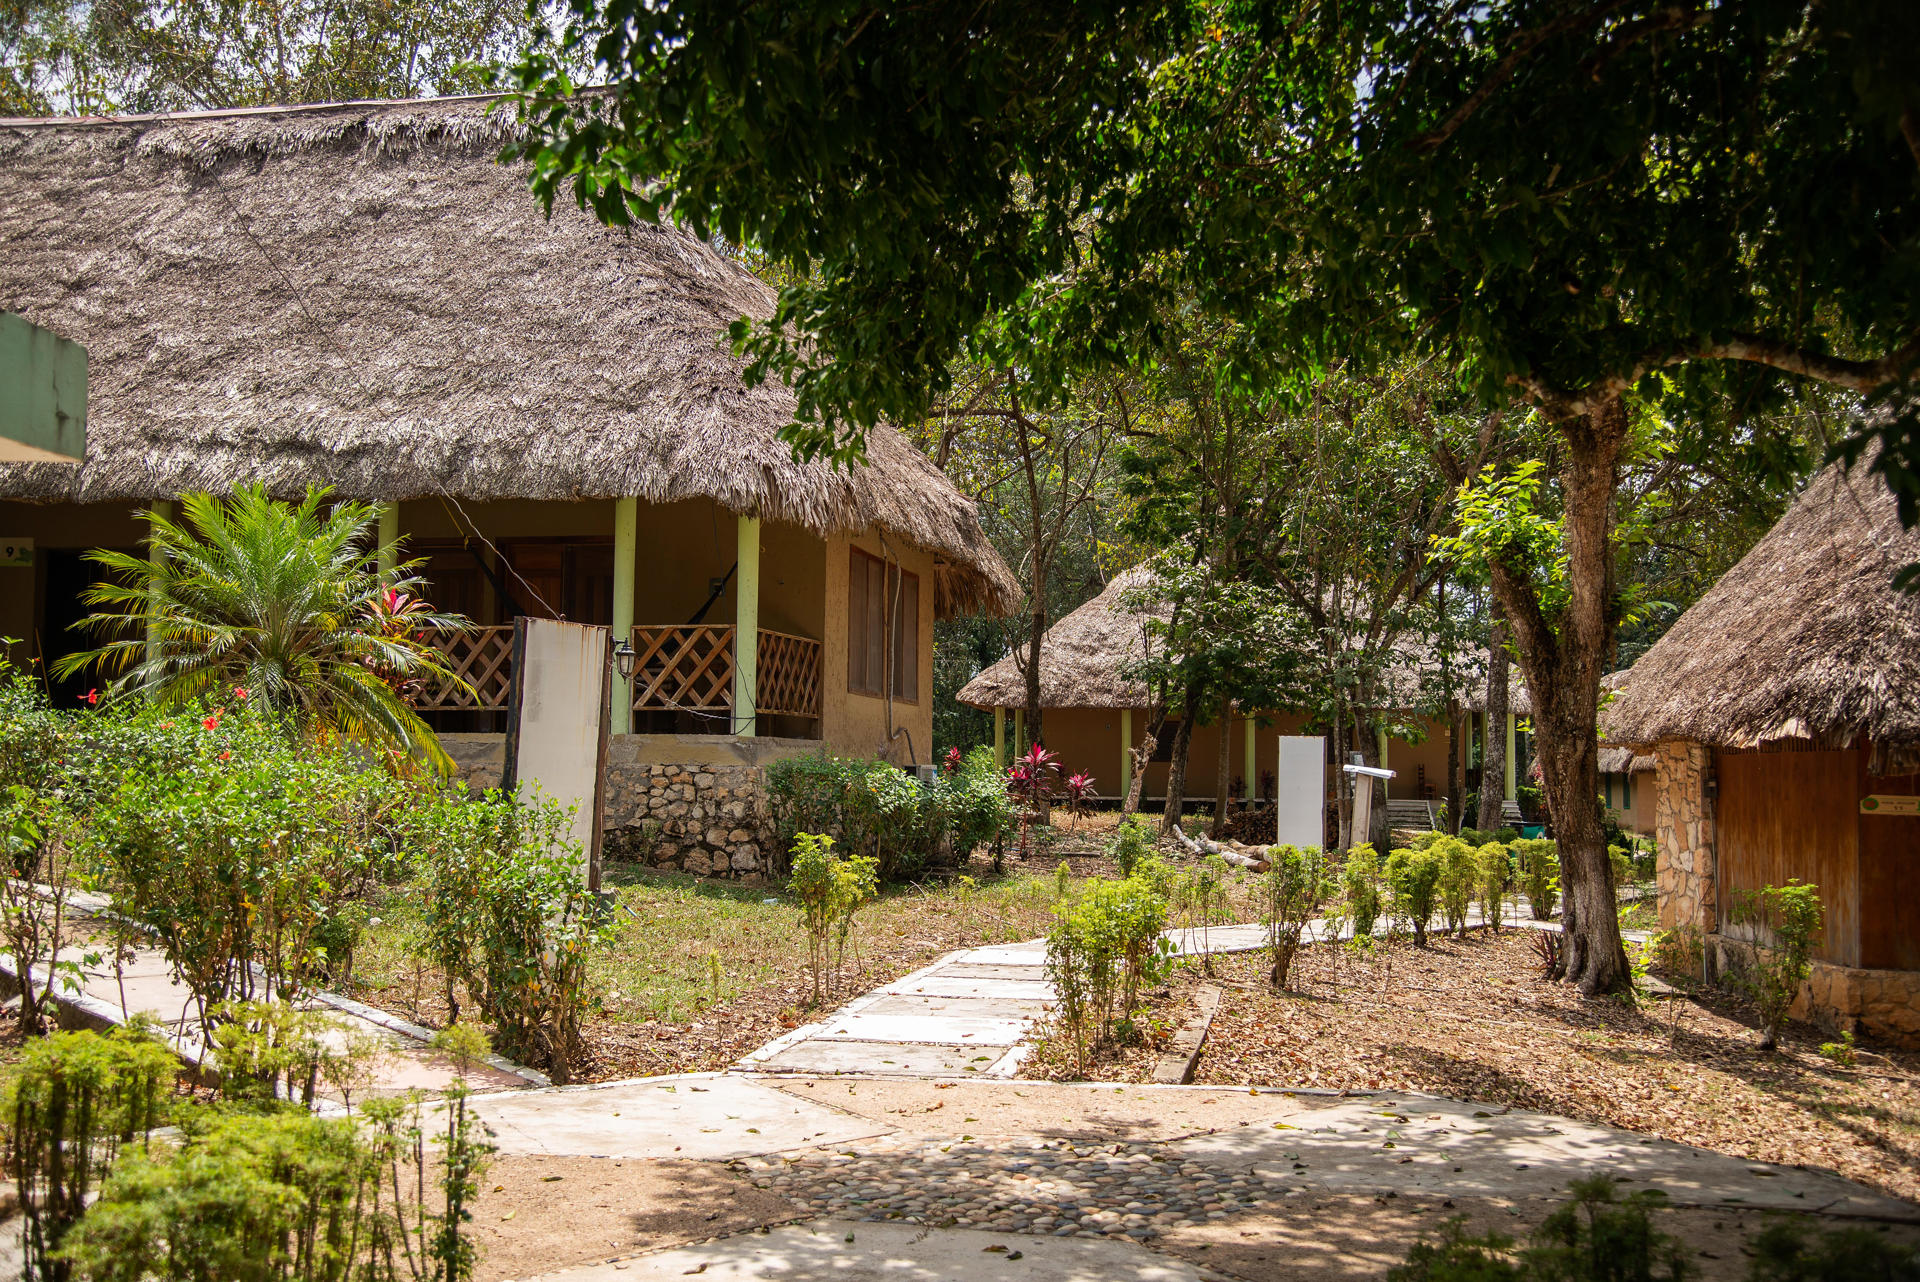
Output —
(969, 1014)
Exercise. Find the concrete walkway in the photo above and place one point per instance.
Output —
(926, 1179)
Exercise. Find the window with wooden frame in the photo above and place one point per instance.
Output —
(883, 627)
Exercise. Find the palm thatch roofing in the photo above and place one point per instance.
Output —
(1085, 658)
(358, 295)
(1804, 642)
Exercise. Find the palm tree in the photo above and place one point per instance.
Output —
(286, 601)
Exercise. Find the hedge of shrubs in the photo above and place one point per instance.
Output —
(879, 811)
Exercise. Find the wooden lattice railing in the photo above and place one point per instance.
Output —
(688, 668)
(483, 659)
(675, 668)
(788, 675)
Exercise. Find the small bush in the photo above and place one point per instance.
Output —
(1539, 864)
(1789, 1250)
(1132, 842)
(242, 853)
(1680, 952)
(1102, 949)
(1621, 860)
(1413, 883)
(1291, 891)
(1459, 876)
(830, 889)
(1788, 917)
(1360, 888)
(1493, 875)
(874, 809)
(506, 912)
(1840, 1053)
(1592, 1237)
(79, 1100)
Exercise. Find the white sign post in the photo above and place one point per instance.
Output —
(1363, 777)
(558, 723)
(1300, 792)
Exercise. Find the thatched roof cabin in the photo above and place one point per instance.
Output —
(1803, 642)
(357, 294)
(1783, 711)
(1087, 658)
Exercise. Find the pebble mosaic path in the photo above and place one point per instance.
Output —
(1051, 1187)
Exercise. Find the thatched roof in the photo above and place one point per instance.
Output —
(1803, 641)
(357, 294)
(1083, 657)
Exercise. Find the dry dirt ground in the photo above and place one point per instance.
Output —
(1472, 1019)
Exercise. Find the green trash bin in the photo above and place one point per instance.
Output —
(1530, 831)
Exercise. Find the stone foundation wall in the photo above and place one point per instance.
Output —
(1686, 891)
(692, 803)
(1884, 1004)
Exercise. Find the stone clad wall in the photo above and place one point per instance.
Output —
(1880, 1003)
(1686, 893)
(692, 803)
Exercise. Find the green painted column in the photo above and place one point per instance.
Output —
(1126, 751)
(746, 626)
(626, 524)
(389, 537)
(163, 509)
(999, 738)
(1512, 793)
(1253, 761)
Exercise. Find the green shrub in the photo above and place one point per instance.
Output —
(1593, 1237)
(874, 809)
(78, 1101)
(1103, 948)
(1478, 837)
(1787, 920)
(1493, 876)
(1291, 891)
(1413, 885)
(506, 912)
(1622, 862)
(1360, 888)
(241, 853)
(1539, 864)
(1132, 842)
(1459, 876)
(1198, 898)
(830, 889)
(1789, 1250)
(1842, 1052)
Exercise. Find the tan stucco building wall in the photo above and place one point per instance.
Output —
(857, 724)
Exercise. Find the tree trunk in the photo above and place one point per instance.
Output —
(1037, 630)
(1142, 755)
(1563, 668)
(1379, 833)
(1177, 771)
(1456, 766)
(1493, 764)
(1223, 787)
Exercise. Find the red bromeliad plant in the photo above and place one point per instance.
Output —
(1031, 778)
(1079, 791)
(952, 763)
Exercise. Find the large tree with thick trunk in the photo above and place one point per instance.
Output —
(1583, 207)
